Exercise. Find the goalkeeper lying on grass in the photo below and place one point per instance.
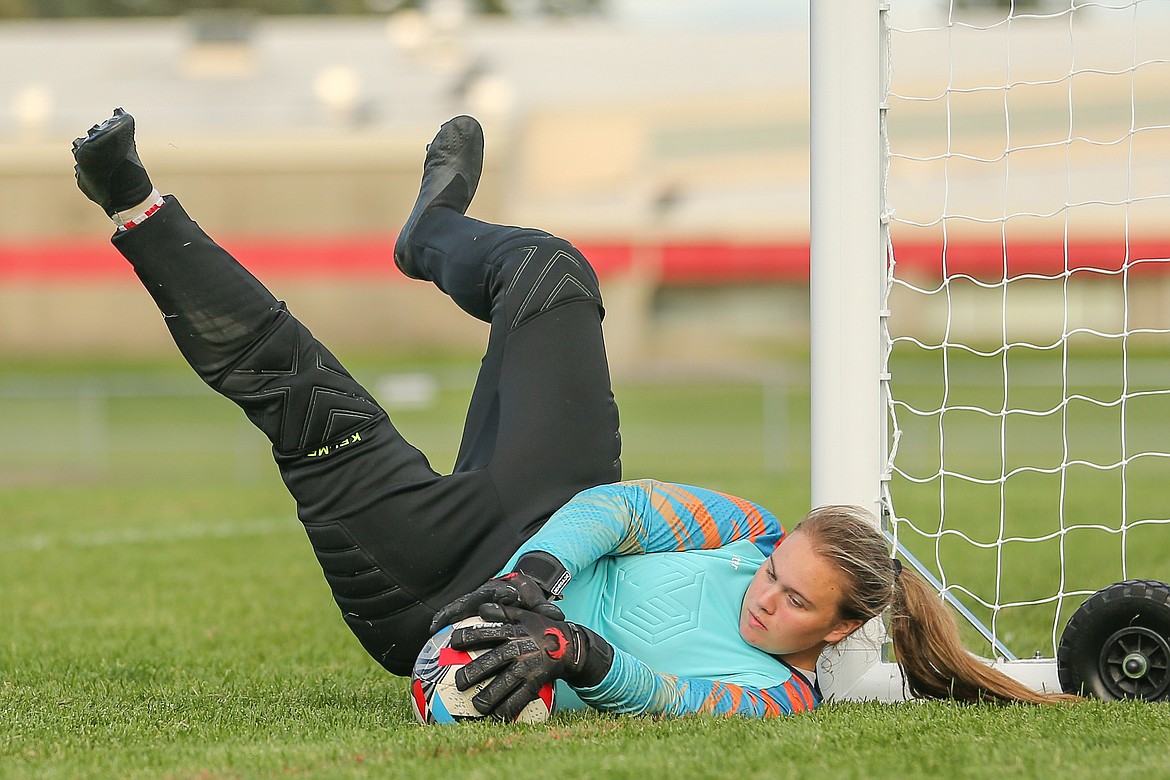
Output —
(672, 599)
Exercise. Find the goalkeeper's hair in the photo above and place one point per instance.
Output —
(927, 645)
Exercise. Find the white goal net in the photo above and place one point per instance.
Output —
(1028, 294)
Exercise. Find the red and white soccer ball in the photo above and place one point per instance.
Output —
(433, 691)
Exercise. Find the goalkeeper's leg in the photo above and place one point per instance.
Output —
(366, 497)
(542, 423)
(363, 493)
(241, 340)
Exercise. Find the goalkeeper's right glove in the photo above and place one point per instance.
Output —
(524, 652)
(537, 580)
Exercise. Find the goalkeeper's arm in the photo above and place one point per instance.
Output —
(643, 516)
(633, 688)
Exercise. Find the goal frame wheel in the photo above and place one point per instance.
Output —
(1117, 644)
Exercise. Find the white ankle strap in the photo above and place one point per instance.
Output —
(135, 216)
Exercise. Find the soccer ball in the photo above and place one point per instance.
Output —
(432, 685)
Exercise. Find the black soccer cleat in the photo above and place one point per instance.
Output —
(108, 169)
(451, 172)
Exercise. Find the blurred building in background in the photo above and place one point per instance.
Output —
(668, 138)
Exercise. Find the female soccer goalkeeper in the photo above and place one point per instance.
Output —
(672, 599)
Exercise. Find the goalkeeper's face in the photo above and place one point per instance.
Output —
(792, 606)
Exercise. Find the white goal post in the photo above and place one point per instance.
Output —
(847, 232)
(990, 228)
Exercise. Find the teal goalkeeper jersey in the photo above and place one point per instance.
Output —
(660, 571)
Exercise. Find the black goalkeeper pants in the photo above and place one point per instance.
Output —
(395, 539)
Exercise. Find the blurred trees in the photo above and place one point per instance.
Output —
(69, 9)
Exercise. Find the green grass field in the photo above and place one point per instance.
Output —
(161, 614)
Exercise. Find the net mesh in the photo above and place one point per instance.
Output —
(1028, 333)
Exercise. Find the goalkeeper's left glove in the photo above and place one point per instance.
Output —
(537, 580)
(528, 651)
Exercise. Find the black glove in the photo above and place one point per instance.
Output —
(538, 578)
(528, 651)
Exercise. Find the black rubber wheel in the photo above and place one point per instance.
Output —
(1117, 644)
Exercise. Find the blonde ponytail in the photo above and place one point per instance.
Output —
(934, 662)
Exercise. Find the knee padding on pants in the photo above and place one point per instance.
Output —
(361, 588)
(295, 390)
(546, 275)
